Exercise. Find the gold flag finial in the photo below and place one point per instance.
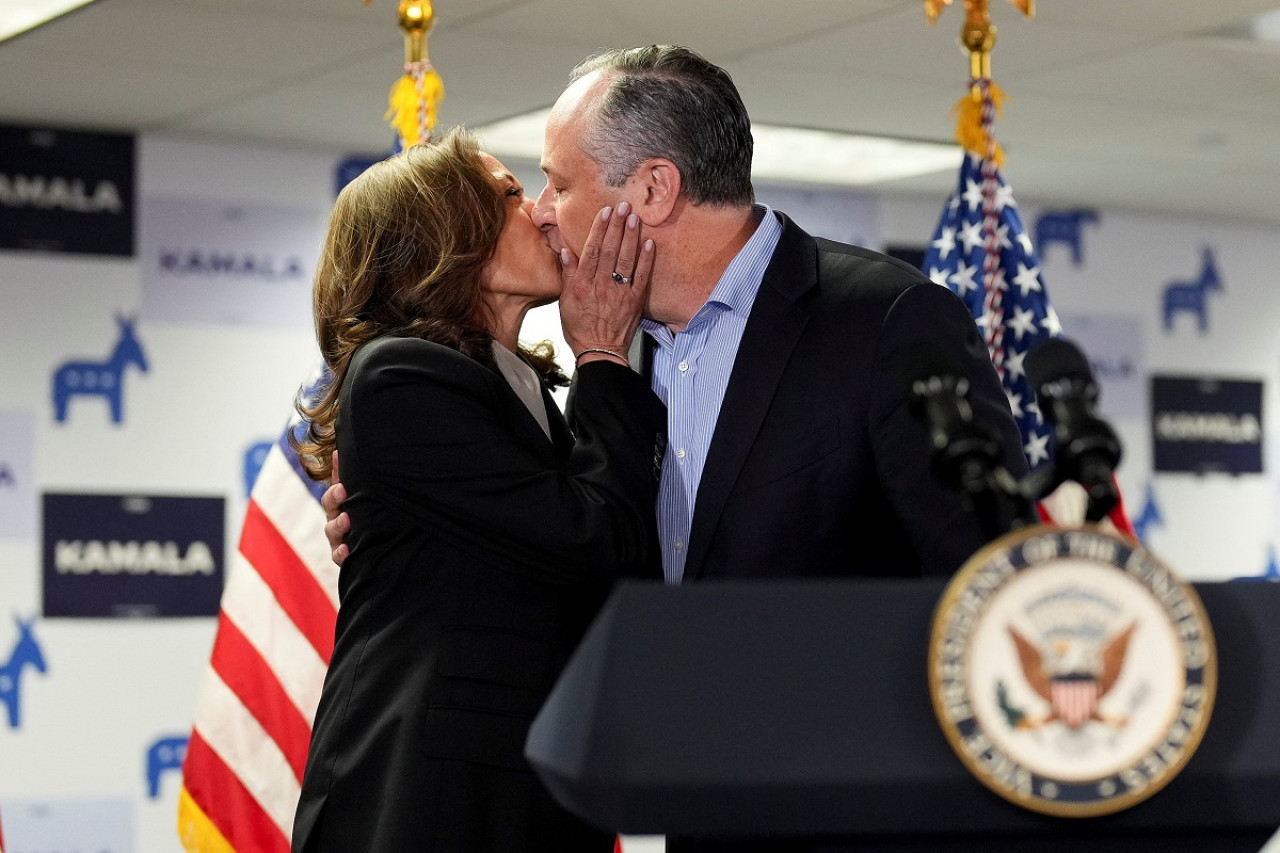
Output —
(417, 17)
(978, 37)
(977, 34)
(416, 96)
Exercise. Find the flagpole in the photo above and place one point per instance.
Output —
(975, 130)
(994, 267)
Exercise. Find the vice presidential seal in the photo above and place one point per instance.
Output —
(1071, 671)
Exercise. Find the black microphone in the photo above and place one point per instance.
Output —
(1086, 449)
(966, 454)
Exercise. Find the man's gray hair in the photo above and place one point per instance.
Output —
(667, 101)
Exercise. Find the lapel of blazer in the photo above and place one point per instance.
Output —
(528, 428)
(773, 327)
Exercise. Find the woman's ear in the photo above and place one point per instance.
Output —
(658, 182)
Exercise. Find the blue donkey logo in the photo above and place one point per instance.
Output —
(1272, 572)
(26, 652)
(1193, 295)
(1064, 226)
(1269, 574)
(167, 753)
(101, 378)
(1150, 515)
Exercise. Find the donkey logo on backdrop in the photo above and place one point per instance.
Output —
(7, 480)
(1273, 570)
(1192, 296)
(165, 754)
(1064, 226)
(254, 457)
(26, 652)
(1271, 573)
(1150, 515)
(100, 378)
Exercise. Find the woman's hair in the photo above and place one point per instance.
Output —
(406, 245)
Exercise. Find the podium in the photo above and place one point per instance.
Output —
(801, 709)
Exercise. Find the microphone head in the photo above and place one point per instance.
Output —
(1056, 359)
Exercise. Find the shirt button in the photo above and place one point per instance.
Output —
(683, 366)
(680, 453)
(678, 544)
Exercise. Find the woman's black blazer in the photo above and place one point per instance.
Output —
(480, 551)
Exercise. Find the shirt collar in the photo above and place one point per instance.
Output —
(737, 288)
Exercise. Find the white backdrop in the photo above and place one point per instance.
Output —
(221, 381)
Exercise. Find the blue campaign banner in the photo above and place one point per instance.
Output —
(1206, 424)
(132, 555)
(67, 191)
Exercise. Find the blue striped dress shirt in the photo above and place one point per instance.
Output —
(690, 373)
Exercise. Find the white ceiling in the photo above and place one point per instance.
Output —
(1126, 104)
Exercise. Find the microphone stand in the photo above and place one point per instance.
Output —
(966, 455)
(1086, 448)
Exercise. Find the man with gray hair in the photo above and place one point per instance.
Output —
(791, 448)
(792, 451)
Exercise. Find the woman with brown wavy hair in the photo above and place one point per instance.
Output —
(486, 528)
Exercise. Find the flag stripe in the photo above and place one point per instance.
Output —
(295, 665)
(258, 698)
(307, 605)
(248, 675)
(293, 508)
(228, 804)
(227, 727)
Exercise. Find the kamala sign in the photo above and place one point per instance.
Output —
(208, 262)
(66, 191)
(132, 555)
(1203, 424)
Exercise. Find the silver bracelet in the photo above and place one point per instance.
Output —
(578, 359)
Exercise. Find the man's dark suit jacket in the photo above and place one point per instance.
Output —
(480, 550)
(817, 466)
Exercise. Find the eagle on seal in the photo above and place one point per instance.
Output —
(1072, 676)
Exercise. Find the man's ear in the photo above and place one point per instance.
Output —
(658, 181)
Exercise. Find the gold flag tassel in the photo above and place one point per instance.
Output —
(972, 132)
(978, 37)
(416, 96)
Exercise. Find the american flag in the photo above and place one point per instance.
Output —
(981, 251)
(1014, 312)
(248, 747)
